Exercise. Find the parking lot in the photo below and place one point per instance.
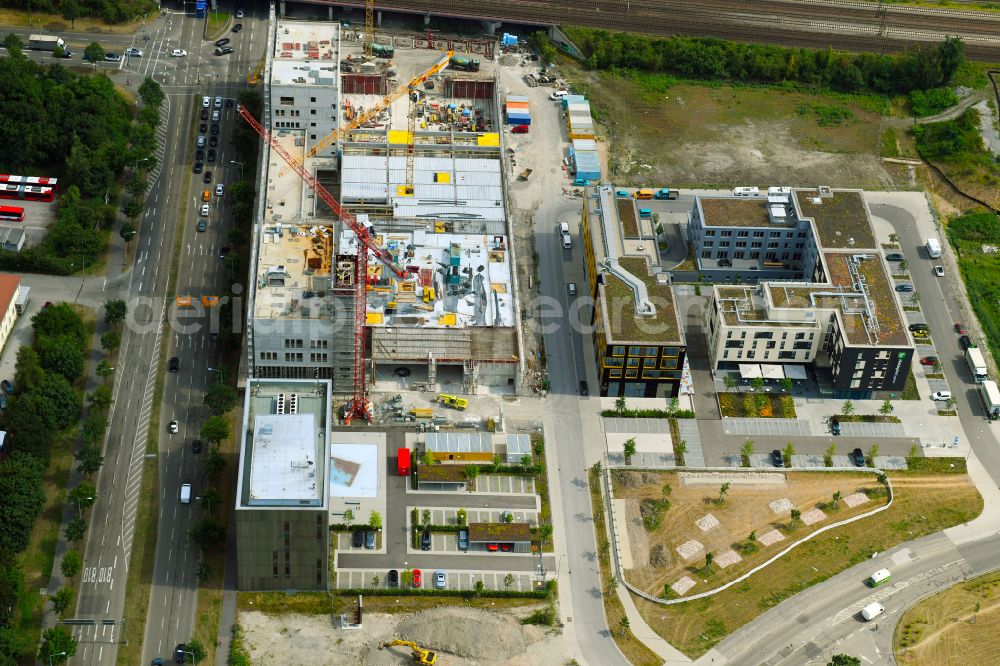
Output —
(455, 580)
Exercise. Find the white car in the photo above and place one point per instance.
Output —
(939, 271)
(204, 210)
(220, 190)
(172, 428)
(206, 102)
(133, 52)
(941, 395)
(239, 13)
(178, 53)
(439, 580)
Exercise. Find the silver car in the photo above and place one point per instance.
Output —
(439, 580)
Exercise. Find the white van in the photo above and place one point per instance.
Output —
(746, 192)
(879, 577)
(185, 493)
(566, 242)
(563, 228)
(872, 611)
(559, 94)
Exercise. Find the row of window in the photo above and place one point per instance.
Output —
(665, 363)
(801, 335)
(740, 254)
(290, 101)
(752, 353)
(298, 343)
(772, 245)
(727, 233)
(636, 350)
(646, 374)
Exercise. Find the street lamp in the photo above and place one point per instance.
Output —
(79, 504)
(57, 654)
(241, 167)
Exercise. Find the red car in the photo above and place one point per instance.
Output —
(520, 129)
(929, 360)
(492, 547)
(506, 547)
(418, 578)
(959, 328)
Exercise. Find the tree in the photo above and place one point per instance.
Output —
(747, 452)
(71, 563)
(786, 384)
(836, 500)
(709, 558)
(623, 625)
(497, 461)
(213, 462)
(94, 52)
(915, 297)
(789, 452)
(828, 455)
(90, 459)
(757, 383)
(872, 453)
(215, 429)
(427, 458)
(71, 11)
(101, 398)
(620, 404)
(348, 516)
(62, 599)
(471, 472)
(208, 533)
(848, 408)
(666, 490)
(115, 310)
(461, 516)
(104, 369)
(629, 450)
(796, 516)
(76, 529)
(57, 646)
(210, 499)
(62, 355)
(886, 407)
(196, 650)
(844, 660)
(375, 520)
(894, 239)
(681, 449)
(729, 381)
(150, 91)
(111, 341)
(28, 372)
(220, 398)
(479, 587)
(11, 588)
(903, 265)
(126, 231)
(23, 500)
(375, 580)
(57, 401)
(508, 580)
(425, 517)
(14, 44)
(84, 495)
(525, 460)
(723, 491)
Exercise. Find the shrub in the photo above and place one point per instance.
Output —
(929, 102)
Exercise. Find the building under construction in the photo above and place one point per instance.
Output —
(424, 174)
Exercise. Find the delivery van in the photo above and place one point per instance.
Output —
(644, 193)
(872, 611)
(185, 493)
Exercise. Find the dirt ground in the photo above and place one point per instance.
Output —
(719, 135)
(313, 640)
(941, 630)
(745, 509)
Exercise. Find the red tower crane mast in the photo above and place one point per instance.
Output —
(358, 407)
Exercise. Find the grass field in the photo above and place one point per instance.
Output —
(958, 626)
(924, 503)
(980, 271)
(56, 23)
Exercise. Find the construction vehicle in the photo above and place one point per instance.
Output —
(359, 405)
(369, 114)
(464, 63)
(420, 655)
(422, 412)
(524, 174)
(383, 50)
(453, 401)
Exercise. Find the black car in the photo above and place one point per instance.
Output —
(583, 388)
(215, 129)
(966, 342)
(208, 177)
(211, 155)
(180, 653)
(222, 42)
(204, 114)
(202, 128)
(777, 459)
(858, 458)
(835, 426)
(196, 446)
(7, 387)
(358, 538)
(198, 166)
(199, 154)
(392, 580)
(229, 103)
(919, 327)
(237, 27)
(225, 50)
(175, 364)
(223, 251)
(213, 141)
(425, 540)
(894, 256)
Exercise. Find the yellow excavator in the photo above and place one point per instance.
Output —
(420, 655)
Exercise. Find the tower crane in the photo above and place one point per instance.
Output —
(369, 28)
(383, 104)
(358, 407)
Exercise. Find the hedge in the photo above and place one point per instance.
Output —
(546, 593)
(651, 413)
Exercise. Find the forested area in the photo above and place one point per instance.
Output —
(721, 60)
(111, 11)
(77, 127)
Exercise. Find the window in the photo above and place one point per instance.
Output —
(614, 362)
(742, 234)
(706, 254)
(802, 234)
(756, 244)
(312, 99)
(633, 363)
(709, 232)
(631, 374)
(755, 255)
(790, 234)
(668, 364)
(618, 350)
(766, 335)
(649, 362)
(741, 244)
(269, 356)
(317, 357)
(615, 374)
(635, 351)
(758, 234)
(771, 245)
(709, 243)
(734, 344)
(800, 336)
(771, 344)
(287, 101)
(786, 355)
(723, 243)
(312, 112)
(802, 345)
(738, 254)
(726, 234)
(651, 351)
(799, 246)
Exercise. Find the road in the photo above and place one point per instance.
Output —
(826, 614)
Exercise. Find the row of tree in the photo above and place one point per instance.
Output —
(717, 59)
(111, 11)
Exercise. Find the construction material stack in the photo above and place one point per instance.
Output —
(517, 110)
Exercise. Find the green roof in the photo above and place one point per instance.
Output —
(841, 219)
(491, 532)
(619, 310)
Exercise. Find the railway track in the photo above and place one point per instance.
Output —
(843, 24)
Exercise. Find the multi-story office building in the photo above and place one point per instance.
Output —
(638, 341)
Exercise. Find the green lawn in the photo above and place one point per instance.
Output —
(216, 23)
(981, 271)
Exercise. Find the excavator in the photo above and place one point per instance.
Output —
(420, 655)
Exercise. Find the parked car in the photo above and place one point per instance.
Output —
(921, 333)
(213, 141)
(172, 427)
(239, 13)
(223, 251)
(834, 426)
(905, 287)
(928, 360)
(894, 256)
(203, 129)
(204, 114)
(425, 540)
(463, 540)
(392, 580)
(858, 458)
(196, 446)
(200, 143)
(178, 53)
(357, 538)
(506, 547)
(211, 154)
(206, 102)
(959, 328)
(965, 341)
(583, 388)
(215, 129)
(440, 579)
(492, 547)
(158, 661)
(941, 395)
(7, 386)
(919, 327)
(175, 364)
(418, 578)
(218, 102)
(3, 401)
(180, 653)
(370, 539)
(939, 271)
(112, 57)
(622, 194)
(520, 129)
(777, 459)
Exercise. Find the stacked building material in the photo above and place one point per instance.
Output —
(517, 110)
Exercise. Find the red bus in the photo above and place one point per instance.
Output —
(8, 179)
(403, 462)
(11, 214)
(26, 192)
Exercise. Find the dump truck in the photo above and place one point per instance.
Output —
(464, 63)
(977, 364)
(989, 393)
(46, 42)
(453, 401)
(420, 655)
